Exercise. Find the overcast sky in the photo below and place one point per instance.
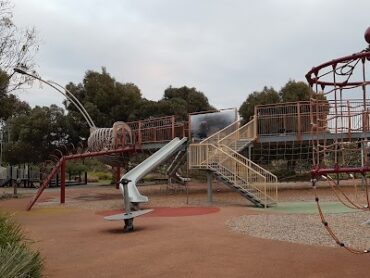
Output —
(226, 49)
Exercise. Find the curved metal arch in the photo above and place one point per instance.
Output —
(65, 93)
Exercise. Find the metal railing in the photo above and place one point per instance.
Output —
(270, 177)
(216, 137)
(313, 117)
(242, 174)
(153, 130)
(246, 132)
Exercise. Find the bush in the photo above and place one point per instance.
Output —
(98, 176)
(16, 259)
(103, 176)
(10, 232)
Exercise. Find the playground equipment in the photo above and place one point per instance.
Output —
(131, 195)
(219, 155)
(23, 174)
(341, 128)
(149, 134)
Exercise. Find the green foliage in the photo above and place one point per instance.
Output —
(292, 91)
(266, 96)
(18, 45)
(75, 167)
(105, 99)
(92, 164)
(101, 175)
(189, 100)
(108, 101)
(295, 91)
(33, 136)
(10, 232)
(175, 101)
(16, 259)
(10, 104)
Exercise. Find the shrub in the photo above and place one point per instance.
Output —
(98, 176)
(16, 259)
(10, 232)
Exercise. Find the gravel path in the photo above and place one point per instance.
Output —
(306, 228)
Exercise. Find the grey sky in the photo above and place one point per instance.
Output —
(226, 49)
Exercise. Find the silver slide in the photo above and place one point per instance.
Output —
(145, 167)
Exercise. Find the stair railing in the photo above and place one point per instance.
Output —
(216, 137)
(247, 132)
(208, 156)
(270, 177)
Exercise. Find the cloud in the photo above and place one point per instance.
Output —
(227, 49)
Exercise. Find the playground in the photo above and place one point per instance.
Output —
(223, 211)
(197, 239)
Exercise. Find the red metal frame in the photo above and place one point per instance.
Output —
(153, 130)
(61, 165)
(317, 172)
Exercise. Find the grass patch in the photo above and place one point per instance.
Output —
(98, 176)
(16, 259)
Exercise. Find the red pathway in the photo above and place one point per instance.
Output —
(77, 242)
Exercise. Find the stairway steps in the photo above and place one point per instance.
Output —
(246, 193)
(241, 184)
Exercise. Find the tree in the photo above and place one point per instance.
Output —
(108, 101)
(105, 99)
(32, 137)
(175, 106)
(266, 96)
(17, 47)
(10, 104)
(176, 101)
(195, 100)
(295, 91)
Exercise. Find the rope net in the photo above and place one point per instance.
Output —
(326, 138)
(340, 111)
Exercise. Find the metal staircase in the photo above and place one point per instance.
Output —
(173, 169)
(219, 154)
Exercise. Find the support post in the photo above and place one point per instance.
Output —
(118, 176)
(209, 188)
(15, 187)
(11, 176)
(63, 182)
(299, 127)
(250, 152)
(173, 127)
(129, 223)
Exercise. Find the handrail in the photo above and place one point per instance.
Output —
(250, 162)
(216, 149)
(248, 128)
(250, 185)
(220, 134)
(205, 155)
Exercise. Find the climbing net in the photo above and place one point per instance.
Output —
(340, 131)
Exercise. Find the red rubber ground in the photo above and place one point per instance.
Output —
(77, 242)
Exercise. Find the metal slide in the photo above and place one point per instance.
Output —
(131, 195)
(131, 177)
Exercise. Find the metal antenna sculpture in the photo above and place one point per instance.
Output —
(63, 91)
(340, 124)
